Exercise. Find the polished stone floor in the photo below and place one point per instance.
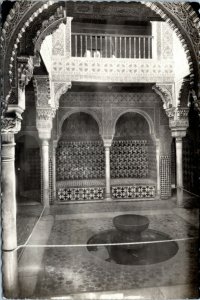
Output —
(55, 261)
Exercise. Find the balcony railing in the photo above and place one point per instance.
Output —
(111, 46)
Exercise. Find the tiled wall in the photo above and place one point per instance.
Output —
(80, 160)
(86, 160)
(165, 176)
(129, 159)
(141, 191)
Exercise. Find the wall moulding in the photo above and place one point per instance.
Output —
(111, 70)
(75, 99)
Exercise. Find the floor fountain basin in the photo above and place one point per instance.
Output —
(131, 242)
(129, 228)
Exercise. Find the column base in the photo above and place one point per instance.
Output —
(10, 274)
(108, 197)
(179, 197)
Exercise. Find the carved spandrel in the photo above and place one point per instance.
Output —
(165, 91)
(42, 91)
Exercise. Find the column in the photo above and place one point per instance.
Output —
(54, 169)
(9, 229)
(158, 167)
(45, 171)
(179, 170)
(107, 145)
(179, 162)
(107, 158)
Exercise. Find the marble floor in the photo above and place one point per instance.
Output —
(54, 262)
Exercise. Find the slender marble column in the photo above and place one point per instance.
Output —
(158, 167)
(179, 162)
(54, 169)
(107, 166)
(9, 230)
(179, 170)
(45, 171)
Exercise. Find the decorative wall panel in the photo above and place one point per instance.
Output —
(129, 159)
(165, 176)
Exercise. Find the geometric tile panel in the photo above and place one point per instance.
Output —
(80, 160)
(129, 159)
(79, 194)
(133, 192)
(165, 176)
(86, 160)
(97, 193)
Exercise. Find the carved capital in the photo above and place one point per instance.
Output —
(44, 122)
(165, 91)
(45, 114)
(25, 70)
(42, 90)
(178, 118)
(10, 125)
(107, 142)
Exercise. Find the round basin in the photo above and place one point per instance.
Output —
(131, 223)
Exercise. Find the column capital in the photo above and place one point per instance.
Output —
(10, 124)
(178, 120)
(107, 143)
(179, 134)
(44, 141)
(44, 122)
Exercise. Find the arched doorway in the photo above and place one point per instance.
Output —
(28, 169)
(80, 162)
(133, 158)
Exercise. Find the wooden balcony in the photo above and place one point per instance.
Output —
(111, 46)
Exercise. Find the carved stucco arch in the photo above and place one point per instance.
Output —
(140, 112)
(160, 11)
(188, 47)
(72, 111)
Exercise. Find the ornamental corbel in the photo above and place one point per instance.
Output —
(60, 88)
(165, 91)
